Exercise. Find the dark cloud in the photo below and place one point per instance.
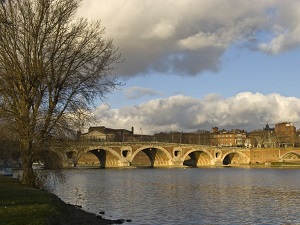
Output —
(189, 37)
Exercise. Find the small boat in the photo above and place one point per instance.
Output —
(38, 166)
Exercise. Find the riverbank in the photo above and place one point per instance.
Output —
(21, 205)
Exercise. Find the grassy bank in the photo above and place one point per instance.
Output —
(285, 164)
(21, 205)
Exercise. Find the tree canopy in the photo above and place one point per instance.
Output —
(51, 64)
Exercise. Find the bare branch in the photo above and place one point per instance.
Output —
(50, 66)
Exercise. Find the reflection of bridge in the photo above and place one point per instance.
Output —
(157, 154)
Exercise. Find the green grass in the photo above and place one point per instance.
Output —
(297, 164)
(23, 205)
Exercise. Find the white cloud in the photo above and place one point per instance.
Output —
(161, 30)
(188, 37)
(285, 28)
(138, 92)
(202, 40)
(182, 113)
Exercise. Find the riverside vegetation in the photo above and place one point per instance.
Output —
(23, 205)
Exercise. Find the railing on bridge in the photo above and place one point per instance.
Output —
(147, 142)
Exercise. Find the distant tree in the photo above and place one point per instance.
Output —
(51, 65)
(263, 138)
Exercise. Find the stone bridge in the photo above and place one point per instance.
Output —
(267, 155)
(289, 155)
(155, 154)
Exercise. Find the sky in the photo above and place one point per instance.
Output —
(197, 64)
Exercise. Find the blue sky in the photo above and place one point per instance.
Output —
(193, 64)
(241, 71)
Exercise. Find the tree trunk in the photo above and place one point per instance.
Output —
(28, 177)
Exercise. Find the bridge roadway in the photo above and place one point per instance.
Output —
(159, 154)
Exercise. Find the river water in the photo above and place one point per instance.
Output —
(187, 196)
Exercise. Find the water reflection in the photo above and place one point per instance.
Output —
(187, 196)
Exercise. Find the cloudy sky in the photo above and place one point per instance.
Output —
(195, 64)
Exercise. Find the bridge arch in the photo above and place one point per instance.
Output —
(198, 157)
(157, 155)
(234, 157)
(290, 156)
(107, 157)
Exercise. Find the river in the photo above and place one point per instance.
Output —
(187, 196)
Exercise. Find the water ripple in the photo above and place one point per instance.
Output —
(187, 196)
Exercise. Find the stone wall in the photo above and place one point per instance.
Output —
(264, 155)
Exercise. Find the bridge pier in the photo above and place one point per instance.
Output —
(125, 164)
(217, 162)
(178, 163)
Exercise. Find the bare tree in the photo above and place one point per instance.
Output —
(51, 64)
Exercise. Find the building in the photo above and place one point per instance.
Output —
(233, 138)
(285, 134)
(200, 137)
(104, 134)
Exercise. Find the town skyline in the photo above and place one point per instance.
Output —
(138, 131)
(283, 134)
